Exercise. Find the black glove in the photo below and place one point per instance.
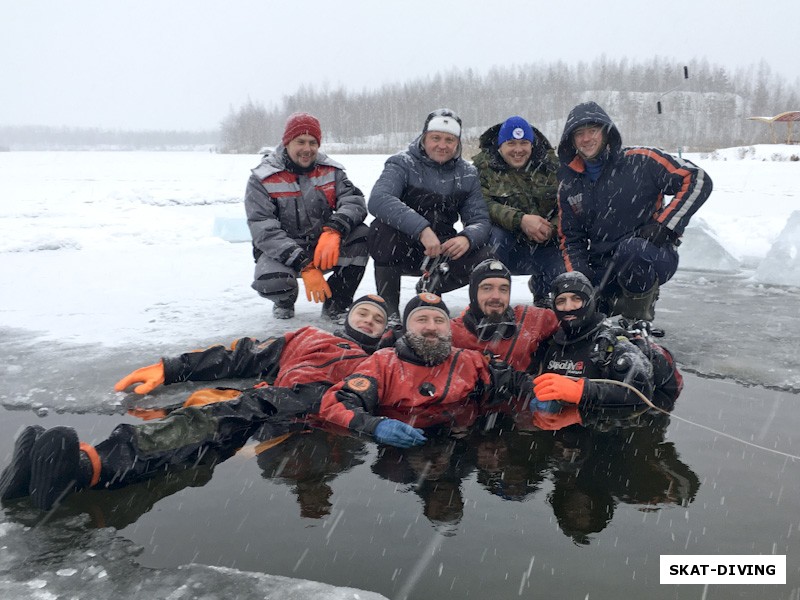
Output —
(390, 336)
(657, 234)
(507, 382)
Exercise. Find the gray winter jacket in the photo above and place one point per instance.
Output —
(414, 192)
(286, 211)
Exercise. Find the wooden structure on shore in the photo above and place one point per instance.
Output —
(787, 117)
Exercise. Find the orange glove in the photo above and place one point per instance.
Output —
(326, 254)
(150, 378)
(551, 386)
(316, 286)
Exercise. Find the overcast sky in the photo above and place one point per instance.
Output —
(181, 64)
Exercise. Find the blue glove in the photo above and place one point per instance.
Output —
(397, 433)
(545, 406)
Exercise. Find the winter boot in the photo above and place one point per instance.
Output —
(387, 283)
(57, 467)
(16, 477)
(634, 306)
(344, 283)
(283, 309)
(334, 311)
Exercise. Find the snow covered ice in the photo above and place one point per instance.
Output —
(118, 248)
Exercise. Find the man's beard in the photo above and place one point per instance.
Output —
(495, 326)
(494, 317)
(493, 312)
(431, 350)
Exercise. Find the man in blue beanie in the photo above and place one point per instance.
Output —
(517, 167)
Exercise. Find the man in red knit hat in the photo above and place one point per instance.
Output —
(306, 218)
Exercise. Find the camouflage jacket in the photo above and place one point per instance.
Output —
(511, 193)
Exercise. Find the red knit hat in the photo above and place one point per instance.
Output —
(301, 124)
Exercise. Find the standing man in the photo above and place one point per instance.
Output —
(305, 218)
(615, 227)
(517, 166)
(513, 334)
(417, 200)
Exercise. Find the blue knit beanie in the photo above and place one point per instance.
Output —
(515, 128)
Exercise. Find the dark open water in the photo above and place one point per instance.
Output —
(582, 512)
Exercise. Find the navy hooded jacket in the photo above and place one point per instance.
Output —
(594, 217)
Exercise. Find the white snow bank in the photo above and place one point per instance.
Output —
(782, 264)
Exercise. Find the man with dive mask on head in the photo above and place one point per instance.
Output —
(512, 334)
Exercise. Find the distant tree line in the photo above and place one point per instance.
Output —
(78, 138)
(708, 110)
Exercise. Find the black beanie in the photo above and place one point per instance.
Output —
(572, 281)
(487, 269)
(365, 340)
(424, 300)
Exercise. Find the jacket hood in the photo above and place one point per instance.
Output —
(584, 114)
(490, 154)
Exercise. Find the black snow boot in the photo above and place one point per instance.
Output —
(344, 283)
(16, 477)
(387, 284)
(334, 311)
(634, 306)
(283, 309)
(56, 468)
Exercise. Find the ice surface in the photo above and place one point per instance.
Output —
(119, 248)
(67, 560)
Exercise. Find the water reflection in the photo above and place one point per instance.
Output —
(582, 464)
(601, 459)
(307, 462)
(434, 472)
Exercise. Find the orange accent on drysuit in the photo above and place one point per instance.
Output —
(210, 396)
(94, 458)
(148, 414)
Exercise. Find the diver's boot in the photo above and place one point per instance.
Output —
(60, 465)
(540, 300)
(16, 477)
(635, 306)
